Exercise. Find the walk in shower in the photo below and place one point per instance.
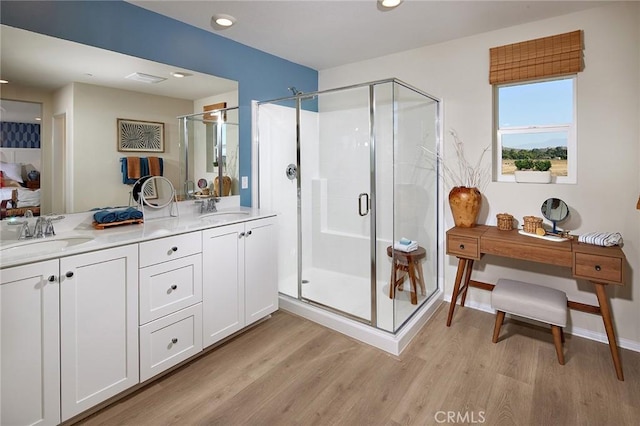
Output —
(350, 171)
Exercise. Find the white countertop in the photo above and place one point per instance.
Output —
(79, 225)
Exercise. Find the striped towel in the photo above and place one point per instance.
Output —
(604, 239)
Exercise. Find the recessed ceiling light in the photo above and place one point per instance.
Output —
(388, 4)
(145, 78)
(180, 74)
(38, 119)
(220, 21)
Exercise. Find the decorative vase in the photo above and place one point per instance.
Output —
(465, 205)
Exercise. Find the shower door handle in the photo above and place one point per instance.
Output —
(366, 204)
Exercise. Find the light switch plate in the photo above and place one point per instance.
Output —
(245, 182)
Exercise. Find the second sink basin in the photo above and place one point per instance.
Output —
(225, 214)
(43, 246)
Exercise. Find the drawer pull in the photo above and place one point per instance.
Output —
(174, 287)
(174, 248)
(174, 340)
(598, 268)
(68, 274)
(461, 246)
(51, 278)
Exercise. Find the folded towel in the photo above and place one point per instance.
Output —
(105, 216)
(405, 247)
(134, 213)
(605, 239)
(155, 166)
(128, 213)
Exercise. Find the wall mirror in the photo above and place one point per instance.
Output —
(554, 210)
(79, 135)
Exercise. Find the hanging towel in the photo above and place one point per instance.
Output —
(605, 239)
(134, 170)
(155, 166)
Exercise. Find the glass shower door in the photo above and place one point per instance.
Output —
(336, 202)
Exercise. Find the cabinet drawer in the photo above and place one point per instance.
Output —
(467, 247)
(170, 286)
(170, 340)
(169, 248)
(598, 268)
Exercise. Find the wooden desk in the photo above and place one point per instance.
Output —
(599, 265)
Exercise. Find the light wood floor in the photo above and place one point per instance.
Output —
(290, 371)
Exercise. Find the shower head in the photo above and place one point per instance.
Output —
(295, 91)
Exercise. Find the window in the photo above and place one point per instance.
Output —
(536, 120)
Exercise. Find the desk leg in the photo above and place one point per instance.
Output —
(462, 263)
(465, 286)
(608, 326)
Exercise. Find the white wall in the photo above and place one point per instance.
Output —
(608, 145)
(96, 176)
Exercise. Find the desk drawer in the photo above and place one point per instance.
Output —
(598, 268)
(466, 247)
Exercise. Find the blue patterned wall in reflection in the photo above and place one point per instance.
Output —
(19, 135)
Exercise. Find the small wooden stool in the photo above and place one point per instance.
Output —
(531, 301)
(407, 263)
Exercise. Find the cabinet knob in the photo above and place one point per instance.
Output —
(598, 268)
(248, 233)
(461, 246)
(68, 274)
(51, 278)
(174, 248)
(241, 235)
(174, 287)
(174, 340)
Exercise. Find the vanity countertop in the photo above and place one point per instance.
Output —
(75, 233)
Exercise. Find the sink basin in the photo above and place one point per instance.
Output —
(225, 214)
(43, 246)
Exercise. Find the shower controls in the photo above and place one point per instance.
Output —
(291, 171)
(363, 196)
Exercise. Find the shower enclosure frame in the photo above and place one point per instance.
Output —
(297, 99)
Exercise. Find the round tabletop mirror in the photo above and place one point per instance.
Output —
(153, 191)
(555, 210)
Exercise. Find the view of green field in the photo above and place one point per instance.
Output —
(558, 167)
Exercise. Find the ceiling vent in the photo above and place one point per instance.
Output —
(145, 78)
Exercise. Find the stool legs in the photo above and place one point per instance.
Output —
(557, 340)
(498, 326)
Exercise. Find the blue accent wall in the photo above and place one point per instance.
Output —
(19, 135)
(122, 27)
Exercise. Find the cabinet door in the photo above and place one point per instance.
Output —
(99, 326)
(261, 269)
(30, 355)
(222, 282)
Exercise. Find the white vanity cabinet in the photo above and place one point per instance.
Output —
(170, 302)
(239, 277)
(30, 345)
(98, 326)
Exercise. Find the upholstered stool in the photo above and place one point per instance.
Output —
(407, 263)
(531, 301)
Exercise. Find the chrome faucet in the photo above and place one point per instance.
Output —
(42, 228)
(208, 206)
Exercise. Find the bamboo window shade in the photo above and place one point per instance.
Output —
(534, 59)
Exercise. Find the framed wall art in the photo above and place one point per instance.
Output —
(140, 136)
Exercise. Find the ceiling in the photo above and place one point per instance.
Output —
(328, 33)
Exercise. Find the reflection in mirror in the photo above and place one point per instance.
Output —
(555, 210)
(83, 132)
(157, 193)
(210, 152)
